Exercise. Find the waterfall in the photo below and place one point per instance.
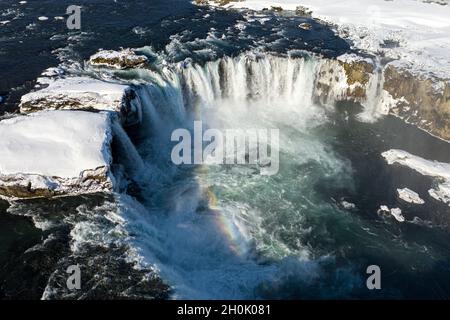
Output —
(374, 104)
(270, 80)
(129, 156)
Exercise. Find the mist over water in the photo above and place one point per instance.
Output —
(227, 231)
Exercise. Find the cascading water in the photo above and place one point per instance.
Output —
(221, 232)
(374, 104)
(272, 80)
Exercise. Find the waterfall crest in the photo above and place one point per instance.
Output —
(270, 80)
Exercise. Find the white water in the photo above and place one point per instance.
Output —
(270, 81)
(375, 104)
(201, 226)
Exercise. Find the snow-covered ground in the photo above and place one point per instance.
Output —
(87, 92)
(438, 170)
(46, 149)
(83, 93)
(414, 32)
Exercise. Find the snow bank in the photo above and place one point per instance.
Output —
(54, 153)
(82, 93)
(438, 170)
(123, 59)
(416, 33)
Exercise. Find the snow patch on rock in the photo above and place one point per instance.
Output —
(122, 59)
(54, 153)
(82, 93)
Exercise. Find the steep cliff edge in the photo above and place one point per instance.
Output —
(422, 101)
(55, 153)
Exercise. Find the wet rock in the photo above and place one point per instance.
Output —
(104, 271)
(38, 269)
(357, 71)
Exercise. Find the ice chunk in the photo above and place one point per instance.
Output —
(438, 170)
(397, 213)
(409, 196)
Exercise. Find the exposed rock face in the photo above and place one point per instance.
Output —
(347, 78)
(124, 59)
(31, 186)
(79, 93)
(55, 153)
(424, 102)
(357, 71)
